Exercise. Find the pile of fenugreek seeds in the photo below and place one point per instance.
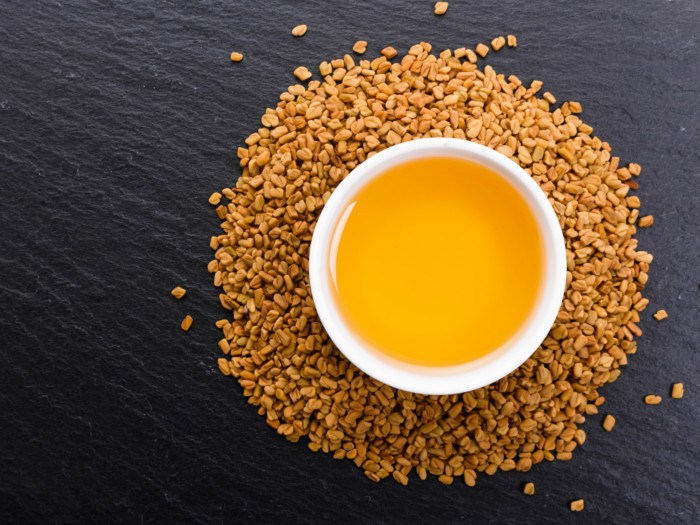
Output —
(274, 343)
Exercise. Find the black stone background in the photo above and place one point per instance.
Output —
(119, 118)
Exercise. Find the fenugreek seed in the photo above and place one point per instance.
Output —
(529, 489)
(236, 57)
(302, 73)
(372, 476)
(652, 399)
(445, 479)
(498, 42)
(576, 505)
(215, 198)
(512, 41)
(634, 169)
(644, 257)
(224, 366)
(299, 30)
(225, 346)
(549, 97)
(389, 52)
(646, 221)
(471, 56)
(470, 477)
(677, 390)
(360, 47)
(660, 315)
(441, 8)
(186, 323)
(400, 477)
(325, 68)
(608, 422)
(482, 49)
(178, 292)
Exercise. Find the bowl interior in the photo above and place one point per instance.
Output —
(465, 376)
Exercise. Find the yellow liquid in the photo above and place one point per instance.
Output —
(438, 262)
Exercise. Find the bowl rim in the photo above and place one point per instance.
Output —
(432, 380)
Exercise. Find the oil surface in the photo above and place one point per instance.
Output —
(438, 262)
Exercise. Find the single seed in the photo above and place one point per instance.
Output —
(646, 221)
(498, 42)
(677, 391)
(236, 57)
(441, 8)
(299, 30)
(186, 323)
(652, 400)
(178, 292)
(529, 489)
(445, 479)
(608, 422)
(549, 97)
(325, 68)
(576, 505)
(302, 73)
(482, 50)
(512, 41)
(215, 198)
(372, 476)
(660, 315)
(360, 47)
(389, 52)
(224, 366)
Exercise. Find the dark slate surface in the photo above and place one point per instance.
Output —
(118, 119)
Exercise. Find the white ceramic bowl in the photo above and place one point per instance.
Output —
(465, 376)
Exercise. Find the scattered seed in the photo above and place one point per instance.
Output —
(482, 50)
(215, 198)
(470, 477)
(302, 73)
(576, 505)
(360, 47)
(445, 479)
(236, 57)
(372, 476)
(400, 477)
(186, 323)
(299, 30)
(529, 489)
(178, 292)
(224, 367)
(677, 391)
(660, 315)
(498, 42)
(389, 52)
(646, 221)
(512, 41)
(608, 422)
(441, 8)
(652, 400)
(277, 349)
(634, 169)
(549, 97)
